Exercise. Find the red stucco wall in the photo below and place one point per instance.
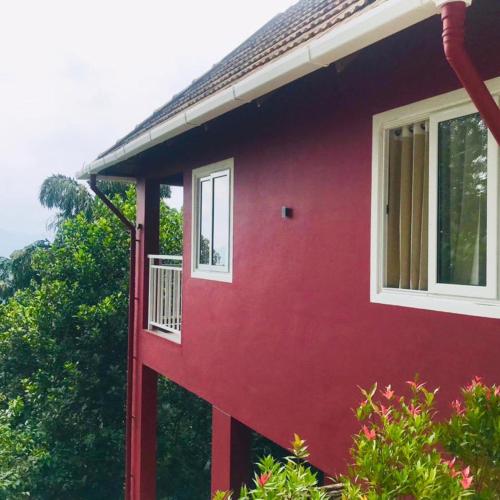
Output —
(284, 347)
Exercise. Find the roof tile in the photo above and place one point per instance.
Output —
(298, 24)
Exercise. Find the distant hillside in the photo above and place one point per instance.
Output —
(10, 241)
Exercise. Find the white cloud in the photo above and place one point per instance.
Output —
(76, 76)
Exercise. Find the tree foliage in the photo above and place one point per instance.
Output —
(184, 429)
(70, 198)
(66, 195)
(17, 271)
(63, 355)
(61, 360)
(5, 279)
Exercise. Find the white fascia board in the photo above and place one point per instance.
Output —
(175, 125)
(99, 163)
(92, 168)
(440, 3)
(283, 70)
(119, 153)
(212, 107)
(368, 27)
(123, 179)
(140, 143)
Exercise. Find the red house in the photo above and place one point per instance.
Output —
(341, 225)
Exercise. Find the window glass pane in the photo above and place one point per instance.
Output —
(462, 182)
(205, 221)
(220, 251)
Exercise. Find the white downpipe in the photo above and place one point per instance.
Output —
(378, 22)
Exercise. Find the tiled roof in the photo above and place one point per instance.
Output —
(301, 22)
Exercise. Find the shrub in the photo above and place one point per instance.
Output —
(472, 434)
(290, 479)
(402, 451)
(397, 452)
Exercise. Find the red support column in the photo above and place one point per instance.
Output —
(144, 389)
(148, 235)
(231, 445)
(144, 436)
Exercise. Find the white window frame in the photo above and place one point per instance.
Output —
(490, 290)
(461, 299)
(210, 271)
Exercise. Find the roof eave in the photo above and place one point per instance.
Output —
(367, 28)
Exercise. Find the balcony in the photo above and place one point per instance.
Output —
(165, 295)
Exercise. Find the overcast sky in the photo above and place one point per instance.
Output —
(77, 75)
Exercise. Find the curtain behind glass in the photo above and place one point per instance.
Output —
(407, 207)
(462, 185)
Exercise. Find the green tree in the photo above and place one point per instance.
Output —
(70, 197)
(5, 279)
(66, 195)
(62, 353)
(184, 430)
(63, 357)
(17, 272)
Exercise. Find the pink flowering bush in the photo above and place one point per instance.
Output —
(472, 434)
(402, 451)
(397, 453)
(292, 479)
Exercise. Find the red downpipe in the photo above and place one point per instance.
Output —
(130, 342)
(453, 16)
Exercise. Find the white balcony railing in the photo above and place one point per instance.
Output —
(165, 293)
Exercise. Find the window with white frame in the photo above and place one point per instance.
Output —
(212, 221)
(435, 207)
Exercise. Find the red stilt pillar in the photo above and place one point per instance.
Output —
(144, 436)
(144, 386)
(231, 445)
